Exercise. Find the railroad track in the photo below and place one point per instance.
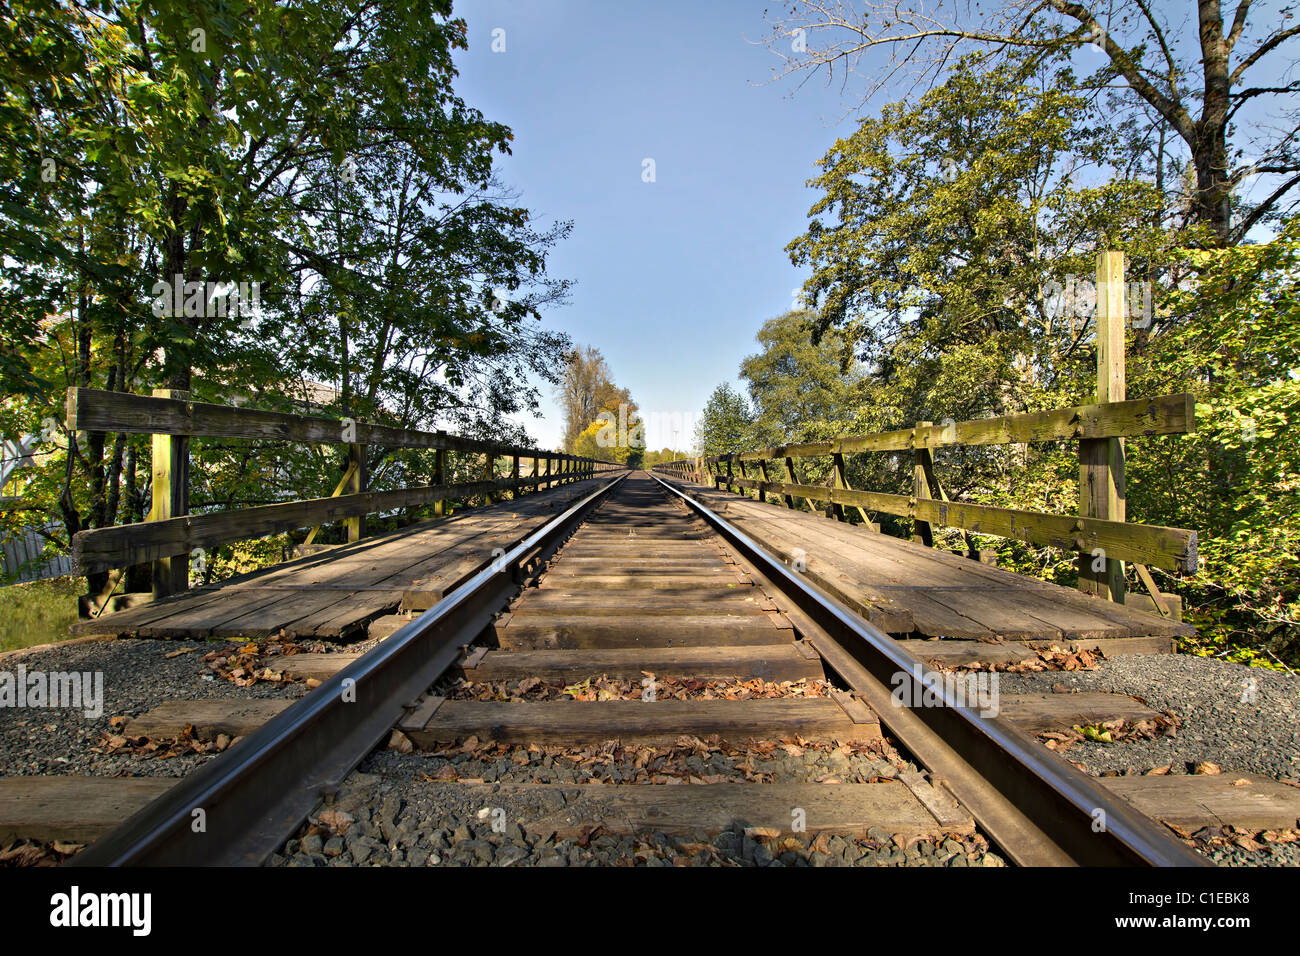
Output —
(687, 631)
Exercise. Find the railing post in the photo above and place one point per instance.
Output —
(792, 478)
(922, 468)
(841, 481)
(356, 485)
(171, 499)
(489, 474)
(1101, 460)
(440, 477)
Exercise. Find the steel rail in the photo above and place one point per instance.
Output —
(1035, 805)
(237, 809)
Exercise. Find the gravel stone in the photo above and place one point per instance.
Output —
(137, 677)
(1227, 719)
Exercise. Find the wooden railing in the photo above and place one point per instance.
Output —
(1099, 533)
(170, 531)
(686, 469)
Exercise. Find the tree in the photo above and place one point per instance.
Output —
(940, 224)
(796, 384)
(319, 151)
(1237, 476)
(586, 375)
(587, 394)
(1192, 72)
(726, 424)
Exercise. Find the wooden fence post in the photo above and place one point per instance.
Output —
(514, 475)
(171, 499)
(440, 477)
(489, 474)
(356, 485)
(841, 482)
(1101, 460)
(792, 478)
(922, 470)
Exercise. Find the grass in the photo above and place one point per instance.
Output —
(39, 612)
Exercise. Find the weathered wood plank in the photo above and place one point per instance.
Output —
(642, 582)
(649, 603)
(846, 809)
(962, 653)
(72, 809)
(1192, 802)
(772, 662)
(1164, 415)
(234, 717)
(103, 549)
(532, 633)
(1152, 545)
(407, 559)
(1116, 647)
(658, 722)
(1035, 713)
(879, 569)
(313, 666)
(91, 409)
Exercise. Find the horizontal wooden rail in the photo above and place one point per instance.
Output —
(173, 419)
(103, 549)
(1100, 534)
(1172, 548)
(1166, 415)
(94, 410)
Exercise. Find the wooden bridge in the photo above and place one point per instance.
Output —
(908, 588)
(774, 613)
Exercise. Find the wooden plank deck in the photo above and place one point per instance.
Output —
(338, 592)
(906, 588)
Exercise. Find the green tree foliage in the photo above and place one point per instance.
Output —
(796, 386)
(318, 150)
(940, 231)
(1236, 345)
(939, 224)
(600, 418)
(726, 424)
(937, 229)
(1189, 87)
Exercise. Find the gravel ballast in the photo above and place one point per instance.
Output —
(378, 820)
(137, 676)
(1241, 718)
(405, 811)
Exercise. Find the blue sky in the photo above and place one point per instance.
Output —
(673, 277)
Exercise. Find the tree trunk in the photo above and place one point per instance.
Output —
(1212, 204)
